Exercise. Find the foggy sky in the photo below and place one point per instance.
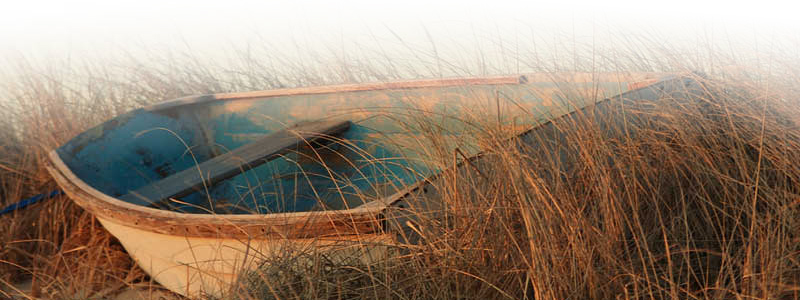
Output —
(89, 28)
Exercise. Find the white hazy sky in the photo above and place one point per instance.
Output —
(53, 28)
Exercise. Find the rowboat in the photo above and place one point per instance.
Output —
(202, 188)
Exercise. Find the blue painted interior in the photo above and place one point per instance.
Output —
(142, 147)
(130, 151)
(346, 170)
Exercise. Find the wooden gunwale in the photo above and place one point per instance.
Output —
(406, 84)
(360, 220)
(342, 88)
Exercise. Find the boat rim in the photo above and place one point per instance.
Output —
(362, 219)
(365, 218)
(522, 78)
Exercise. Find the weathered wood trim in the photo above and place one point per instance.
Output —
(412, 84)
(341, 88)
(360, 220)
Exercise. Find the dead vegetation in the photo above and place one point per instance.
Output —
(693, 197)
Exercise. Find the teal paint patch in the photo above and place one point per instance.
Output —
(343, 173)
(130, 151)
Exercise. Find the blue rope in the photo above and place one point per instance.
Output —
(22, 204)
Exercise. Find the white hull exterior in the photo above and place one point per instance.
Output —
(208, 266)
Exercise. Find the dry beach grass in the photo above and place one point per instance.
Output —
(676, 198)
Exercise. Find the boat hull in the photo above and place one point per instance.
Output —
(196, 266)
(203, 253)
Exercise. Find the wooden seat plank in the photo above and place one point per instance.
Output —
(233, 163)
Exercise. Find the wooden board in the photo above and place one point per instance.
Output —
(230, 164)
